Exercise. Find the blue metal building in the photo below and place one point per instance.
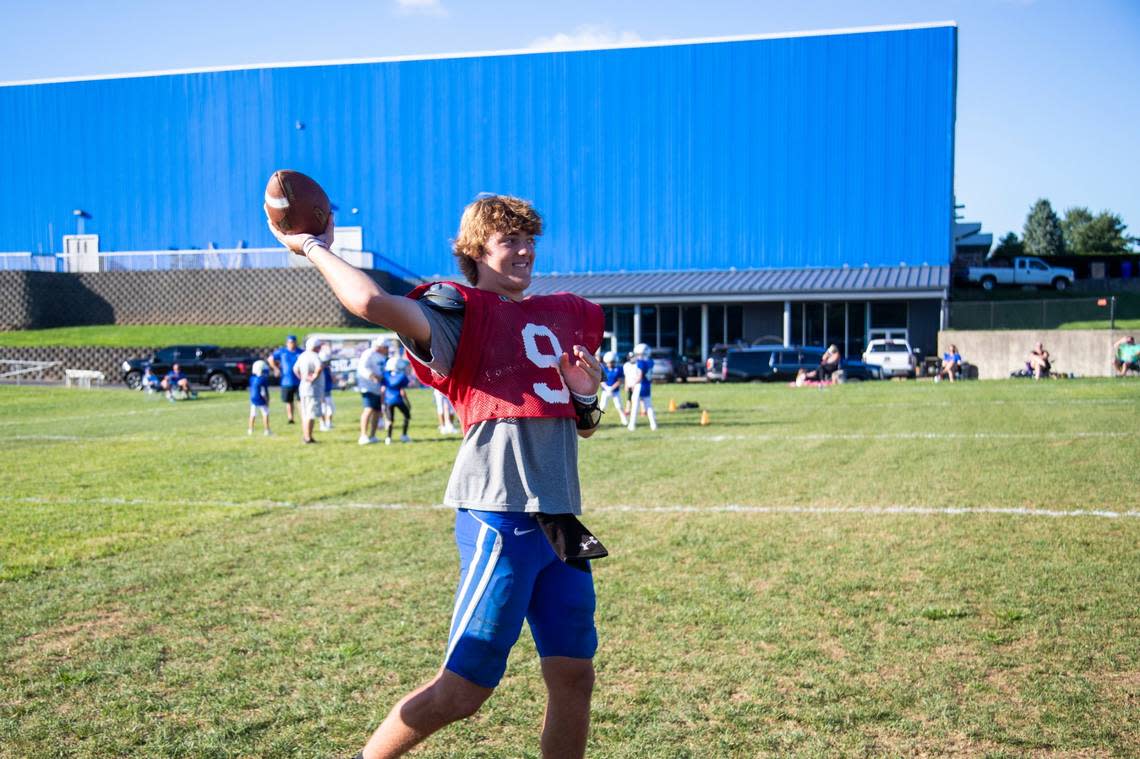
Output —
(825, 150)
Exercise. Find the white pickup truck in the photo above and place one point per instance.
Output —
(893, 357)
(1025, 271)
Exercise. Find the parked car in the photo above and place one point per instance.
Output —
(1025, 270)
(777, 363)
(716, 356)
(202, 364)
(893, 357)
(668, 366)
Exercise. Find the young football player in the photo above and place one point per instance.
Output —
(612, 377)
(522, 375)
(259, 395)
(642, 391)
(396, 397)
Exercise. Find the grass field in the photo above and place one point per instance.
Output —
(864, 570)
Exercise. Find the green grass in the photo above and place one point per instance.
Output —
(171, 587)
(128, 336)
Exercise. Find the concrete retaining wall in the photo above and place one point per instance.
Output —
(996, 353)
(38, 300)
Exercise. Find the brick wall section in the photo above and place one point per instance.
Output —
(106, 360)
(38, 300)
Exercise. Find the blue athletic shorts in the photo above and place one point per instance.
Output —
(373, 401)
(507, 573)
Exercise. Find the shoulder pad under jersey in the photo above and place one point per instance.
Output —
(444, 297)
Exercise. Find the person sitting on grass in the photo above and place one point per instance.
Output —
(176, 380)
(150, 383)
(951, 364)
(1039, 362)
(828, 365)
(1126, 356)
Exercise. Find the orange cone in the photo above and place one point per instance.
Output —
(705, 418)
(672, 405)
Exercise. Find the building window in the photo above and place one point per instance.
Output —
(834, 325)
(691, 330)
(733, 324)
(649, 325)
(623, 328)
(667, 326)
(716, 324)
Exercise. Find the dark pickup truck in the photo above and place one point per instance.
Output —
(202, 365)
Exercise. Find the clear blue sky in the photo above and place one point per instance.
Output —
(1048, 94)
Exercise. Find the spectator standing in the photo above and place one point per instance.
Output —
(1039, 362)
(328, 407)
(396, 397)
(175, 380)
(612, 377)
(1126, 356)
(642, 392)
(444, 412)
(951, 364)
(259, 395)
(282, 362)
(370, 382)
(310, 387)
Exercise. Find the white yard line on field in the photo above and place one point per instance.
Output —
(915, 436)
(617, 508)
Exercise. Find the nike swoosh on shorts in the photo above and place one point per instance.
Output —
(524, 532)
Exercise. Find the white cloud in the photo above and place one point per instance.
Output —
(423, 7)
(585, 36)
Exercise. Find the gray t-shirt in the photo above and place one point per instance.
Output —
(523, 465)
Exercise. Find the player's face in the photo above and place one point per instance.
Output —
(506, 264)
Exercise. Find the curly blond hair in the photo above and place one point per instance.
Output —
(485, 216)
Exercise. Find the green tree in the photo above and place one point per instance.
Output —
(1103, 236)
(1042, 235)
(1073, 228)
(1009, 246)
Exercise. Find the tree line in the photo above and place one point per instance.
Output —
(1079, 233)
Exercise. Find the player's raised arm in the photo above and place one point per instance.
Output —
(356, 291)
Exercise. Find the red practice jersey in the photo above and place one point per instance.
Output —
(506, 363)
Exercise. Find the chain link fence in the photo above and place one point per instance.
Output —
(1091, 313)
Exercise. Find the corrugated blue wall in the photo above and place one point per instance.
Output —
(790, 152)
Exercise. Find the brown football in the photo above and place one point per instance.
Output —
(296, 204)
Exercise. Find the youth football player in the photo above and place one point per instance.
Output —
(612, 377)
(259, 395)
(642, 391)
(522, 375)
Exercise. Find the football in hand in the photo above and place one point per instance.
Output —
(296, 204)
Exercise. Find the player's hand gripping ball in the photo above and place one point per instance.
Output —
(295, 204)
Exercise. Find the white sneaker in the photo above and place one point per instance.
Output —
(449, 429)
(387, 441)
(249, 432)
(364, 440)
(405, 439)
(268, 433)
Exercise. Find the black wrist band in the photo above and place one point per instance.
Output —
(589, 415)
